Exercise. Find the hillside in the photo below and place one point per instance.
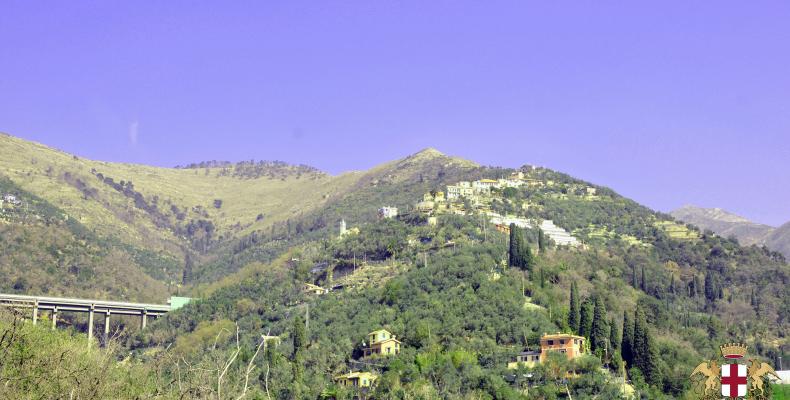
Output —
(462, 313)
(728, 224)
(199, 217)
(462, 296)
(779, 240)
(167, 208)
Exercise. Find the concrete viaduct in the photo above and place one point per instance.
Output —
(55, 305)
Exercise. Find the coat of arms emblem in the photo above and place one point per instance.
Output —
(732, 380)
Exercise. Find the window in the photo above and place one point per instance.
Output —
(562, 341)
(551, 343)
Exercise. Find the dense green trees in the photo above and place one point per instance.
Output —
(520, 253)
(37, 362)
(645, 352)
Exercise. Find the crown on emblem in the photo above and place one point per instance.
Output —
(733, 350)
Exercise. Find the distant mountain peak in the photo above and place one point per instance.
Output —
(715, 213)
(728, 224)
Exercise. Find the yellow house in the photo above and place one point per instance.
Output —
(382, 342)
(356, 379)
(528, 359)
(315, 289)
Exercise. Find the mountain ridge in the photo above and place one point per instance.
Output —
(728, 224)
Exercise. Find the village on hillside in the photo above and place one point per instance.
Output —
(480, 196)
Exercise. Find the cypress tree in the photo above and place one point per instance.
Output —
(541, 240)
(697, 286)
(529, 259)
(627, 347)
(512, 250)
(300, 336)
(575, 312)
(300, 342)
(599, 333)
(585, 320)
(709, 291)
(644, 349)
(187, 275)
(542, 279)
(614, 336)
(644, 281)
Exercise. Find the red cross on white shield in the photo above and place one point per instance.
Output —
(733, 380)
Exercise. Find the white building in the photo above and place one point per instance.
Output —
(560, 236)
(505, 183)
(784, 377)
(388, 212)
(11, 199)
(462, 189)
(484, 185)
(520, 222)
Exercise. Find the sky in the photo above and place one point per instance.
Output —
(669, 103)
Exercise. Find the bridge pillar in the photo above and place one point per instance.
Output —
(144, 319)
(35, 312)
(90, 324)
(55, 317)
(106, 325)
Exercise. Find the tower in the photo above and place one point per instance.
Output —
(342, 227)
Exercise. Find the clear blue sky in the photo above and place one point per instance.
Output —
(666, 102)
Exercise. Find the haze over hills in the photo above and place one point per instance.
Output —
(728, 224)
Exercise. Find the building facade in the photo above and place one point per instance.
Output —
(356, 379)
(388, 212)
(382, 342)
(527, 359)
(570, 345)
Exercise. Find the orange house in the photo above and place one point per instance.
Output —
(571, 345)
